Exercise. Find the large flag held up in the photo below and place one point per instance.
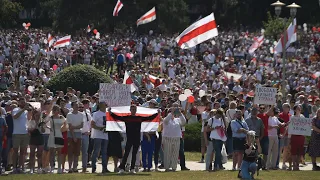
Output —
(117, 8)
(198, 32)
(50, 40)
(62, 42)
(148, 17)
(291, 35)
(146, 126)
(256, 44)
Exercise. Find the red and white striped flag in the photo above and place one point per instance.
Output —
(146, 126)
(148, 17)
(256, 44)
(316, 75)
(50, 40)
(62, 42)
(154, 78)
(198, 32)
(128, 80)
(117, 8)
(291, 37)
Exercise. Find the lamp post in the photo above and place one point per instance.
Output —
(293, 12)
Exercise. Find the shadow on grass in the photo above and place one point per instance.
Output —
(126, 174)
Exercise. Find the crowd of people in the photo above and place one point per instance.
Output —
(72, 123)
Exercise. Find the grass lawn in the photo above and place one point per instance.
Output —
(221, 175)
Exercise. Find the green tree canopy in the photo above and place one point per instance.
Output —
(9, 12)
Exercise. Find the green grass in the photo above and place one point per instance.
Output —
(192, 156)
(198, 175)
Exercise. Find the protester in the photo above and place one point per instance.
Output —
(314, 150)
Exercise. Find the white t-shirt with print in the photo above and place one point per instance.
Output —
(99, 118)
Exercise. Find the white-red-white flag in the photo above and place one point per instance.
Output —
(291, 36)
(198, 32)
(128, 80)
(256, 44)
(117, 8)
(154, 78)
(62, 42)
(50, 40)
(149, 117)
(148, 17)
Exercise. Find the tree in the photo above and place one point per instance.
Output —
(81, 77)
(9, 13)
(275, 26)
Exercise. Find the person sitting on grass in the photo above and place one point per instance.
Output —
(252, 149)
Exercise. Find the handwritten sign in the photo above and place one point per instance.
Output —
(115, 94)
(300, 126)
(265, 95)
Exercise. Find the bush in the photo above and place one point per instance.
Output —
(192, 137)
(82, 78)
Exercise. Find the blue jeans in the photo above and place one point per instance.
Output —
(217, 146)
(247, 168)
(84, 150)
(100, 144)
(147, 148)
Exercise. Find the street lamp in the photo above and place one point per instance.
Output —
(278, 6)
(293, 9)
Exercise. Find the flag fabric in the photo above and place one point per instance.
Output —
(291, 37)
(62, 42)
(117, 8)
(88, 29)
(128, 80)
(198, 32)
(316, 75)
(154, 78)
(256, 44)
(148, 17)
(146, 126)
(50, 40)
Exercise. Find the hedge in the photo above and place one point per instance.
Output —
(84, 78)
(192, 137)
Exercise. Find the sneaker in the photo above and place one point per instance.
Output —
(289, 169)
(284, 167)
(121, 171)
(233, 169)
(144, 170)
(136, 169)
(93, 170)
(70, 171)
(59, 171)
(167, 170)
(156, 169)
(31, 171)
(201, 161)
(116, 170)
(316, 168)
(148, 170)
(105, 170)
(39, 170)
(127, 168)
(132, 171)
(75, 170)
(161, 166)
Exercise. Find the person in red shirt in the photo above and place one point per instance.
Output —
(264, 141)
(284, 140)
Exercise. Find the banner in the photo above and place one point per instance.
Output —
(115, 94)
(265, 95)
(36, 105)
(300, 126)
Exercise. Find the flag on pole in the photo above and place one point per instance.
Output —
(62, 42)
(291, 35)
(148, 17)
(50, 40)
(127, 80)
(146, 126)
(256, 44)
(198, 32)
(117, 8)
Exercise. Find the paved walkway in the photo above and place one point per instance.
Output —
(192, 165)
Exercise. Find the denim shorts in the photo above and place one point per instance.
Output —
(45, 139)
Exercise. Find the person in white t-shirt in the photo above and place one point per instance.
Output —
(85, 131)
(100, 137)
(204, 119)
(75, 122)
(20, 136)
(171, 137)
(274, 124)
